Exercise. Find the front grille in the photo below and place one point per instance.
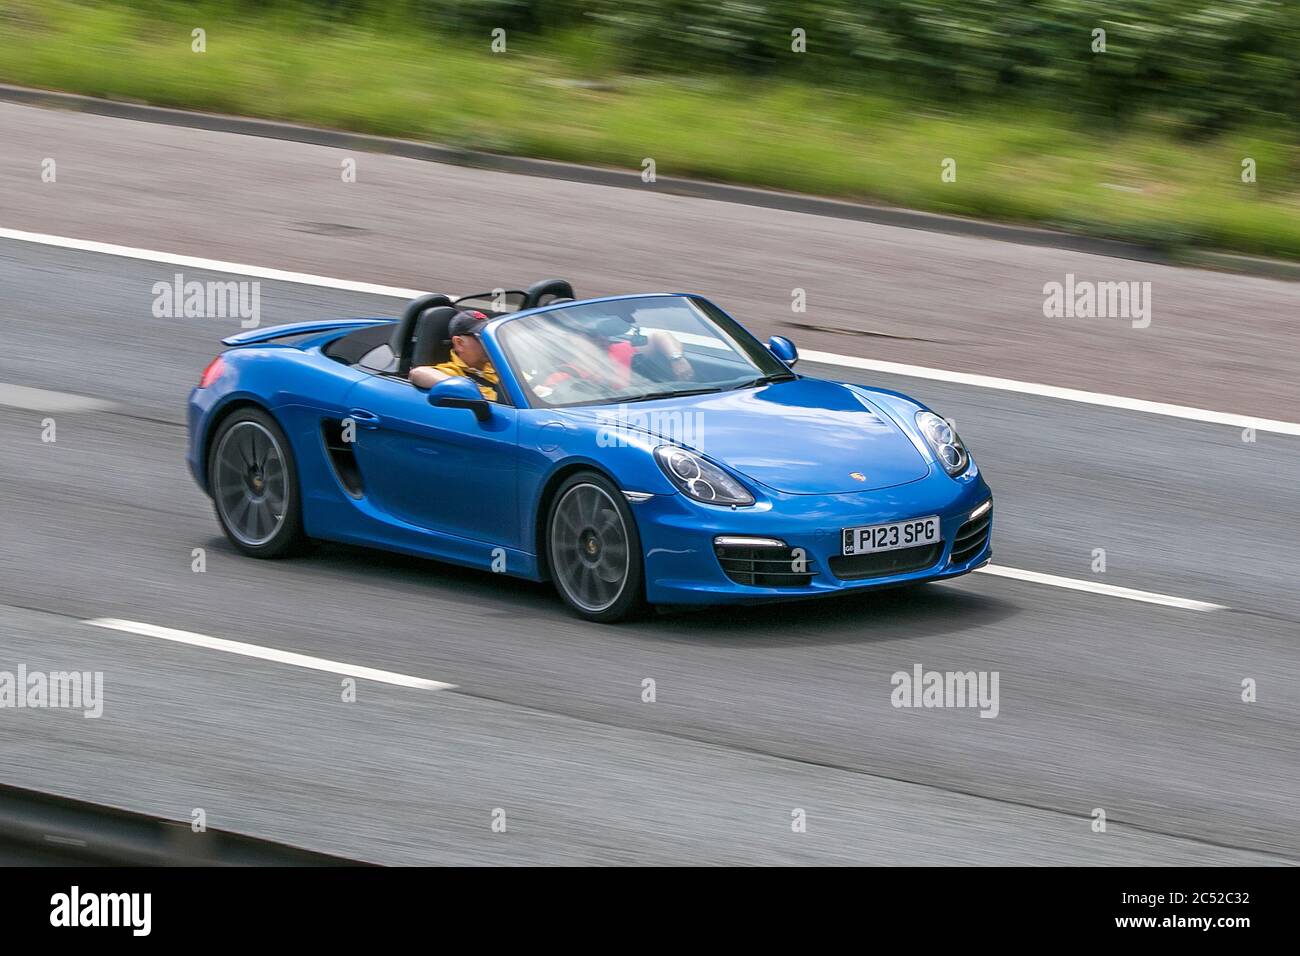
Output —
(765, 567)
(971, 538)
(879, 564)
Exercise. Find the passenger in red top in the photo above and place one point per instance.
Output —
(662, 349)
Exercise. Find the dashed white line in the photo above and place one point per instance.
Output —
(1093, 587)
(43, 400)
(267, 653)
(826, 358)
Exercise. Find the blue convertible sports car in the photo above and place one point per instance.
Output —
(642, 449)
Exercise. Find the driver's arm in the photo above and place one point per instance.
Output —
(426, 376)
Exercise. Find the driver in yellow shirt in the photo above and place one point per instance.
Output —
(468, 357)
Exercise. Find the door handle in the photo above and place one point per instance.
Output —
(363, 418)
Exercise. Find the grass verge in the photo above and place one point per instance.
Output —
(557, 97)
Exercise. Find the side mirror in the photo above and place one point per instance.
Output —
(783, 349)
(460, 393)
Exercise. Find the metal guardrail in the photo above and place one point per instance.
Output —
(42, 827)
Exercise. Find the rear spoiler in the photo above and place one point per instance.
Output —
(300, 328)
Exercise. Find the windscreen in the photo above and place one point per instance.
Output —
(632, 350)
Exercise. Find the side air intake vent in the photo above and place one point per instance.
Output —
(342, 457)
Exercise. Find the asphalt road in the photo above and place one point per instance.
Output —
(1104, 702)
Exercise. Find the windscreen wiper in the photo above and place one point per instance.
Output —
(765, 380)
(673, 393)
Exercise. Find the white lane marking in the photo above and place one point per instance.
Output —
(267, 653)
(208, 265)
(42, 400)
(825, 358)
(1053, 391)
(1093, 587)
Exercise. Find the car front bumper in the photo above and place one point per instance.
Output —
(682, 565)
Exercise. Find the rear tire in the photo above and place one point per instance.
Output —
(253, 480)
(594, 550)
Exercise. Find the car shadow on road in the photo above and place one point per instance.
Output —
(859, 617)
(492, 594)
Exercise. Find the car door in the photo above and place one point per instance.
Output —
(439, 469)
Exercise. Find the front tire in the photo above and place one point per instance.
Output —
(594, 550)
(253, 479)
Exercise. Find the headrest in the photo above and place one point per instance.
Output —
(404, 333)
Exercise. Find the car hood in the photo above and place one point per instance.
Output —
(802, 437)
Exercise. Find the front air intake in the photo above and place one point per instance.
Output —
(971, 538)
(770, 564)
(880, 564)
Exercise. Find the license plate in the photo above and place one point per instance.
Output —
(889, 537)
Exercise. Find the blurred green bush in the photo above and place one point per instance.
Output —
(1206, 65)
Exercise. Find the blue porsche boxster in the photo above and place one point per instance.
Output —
(635, 450)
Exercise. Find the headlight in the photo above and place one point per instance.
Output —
(700, 479)
(944, 442)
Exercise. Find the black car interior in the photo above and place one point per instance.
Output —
(350, 349)
(420, 337)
